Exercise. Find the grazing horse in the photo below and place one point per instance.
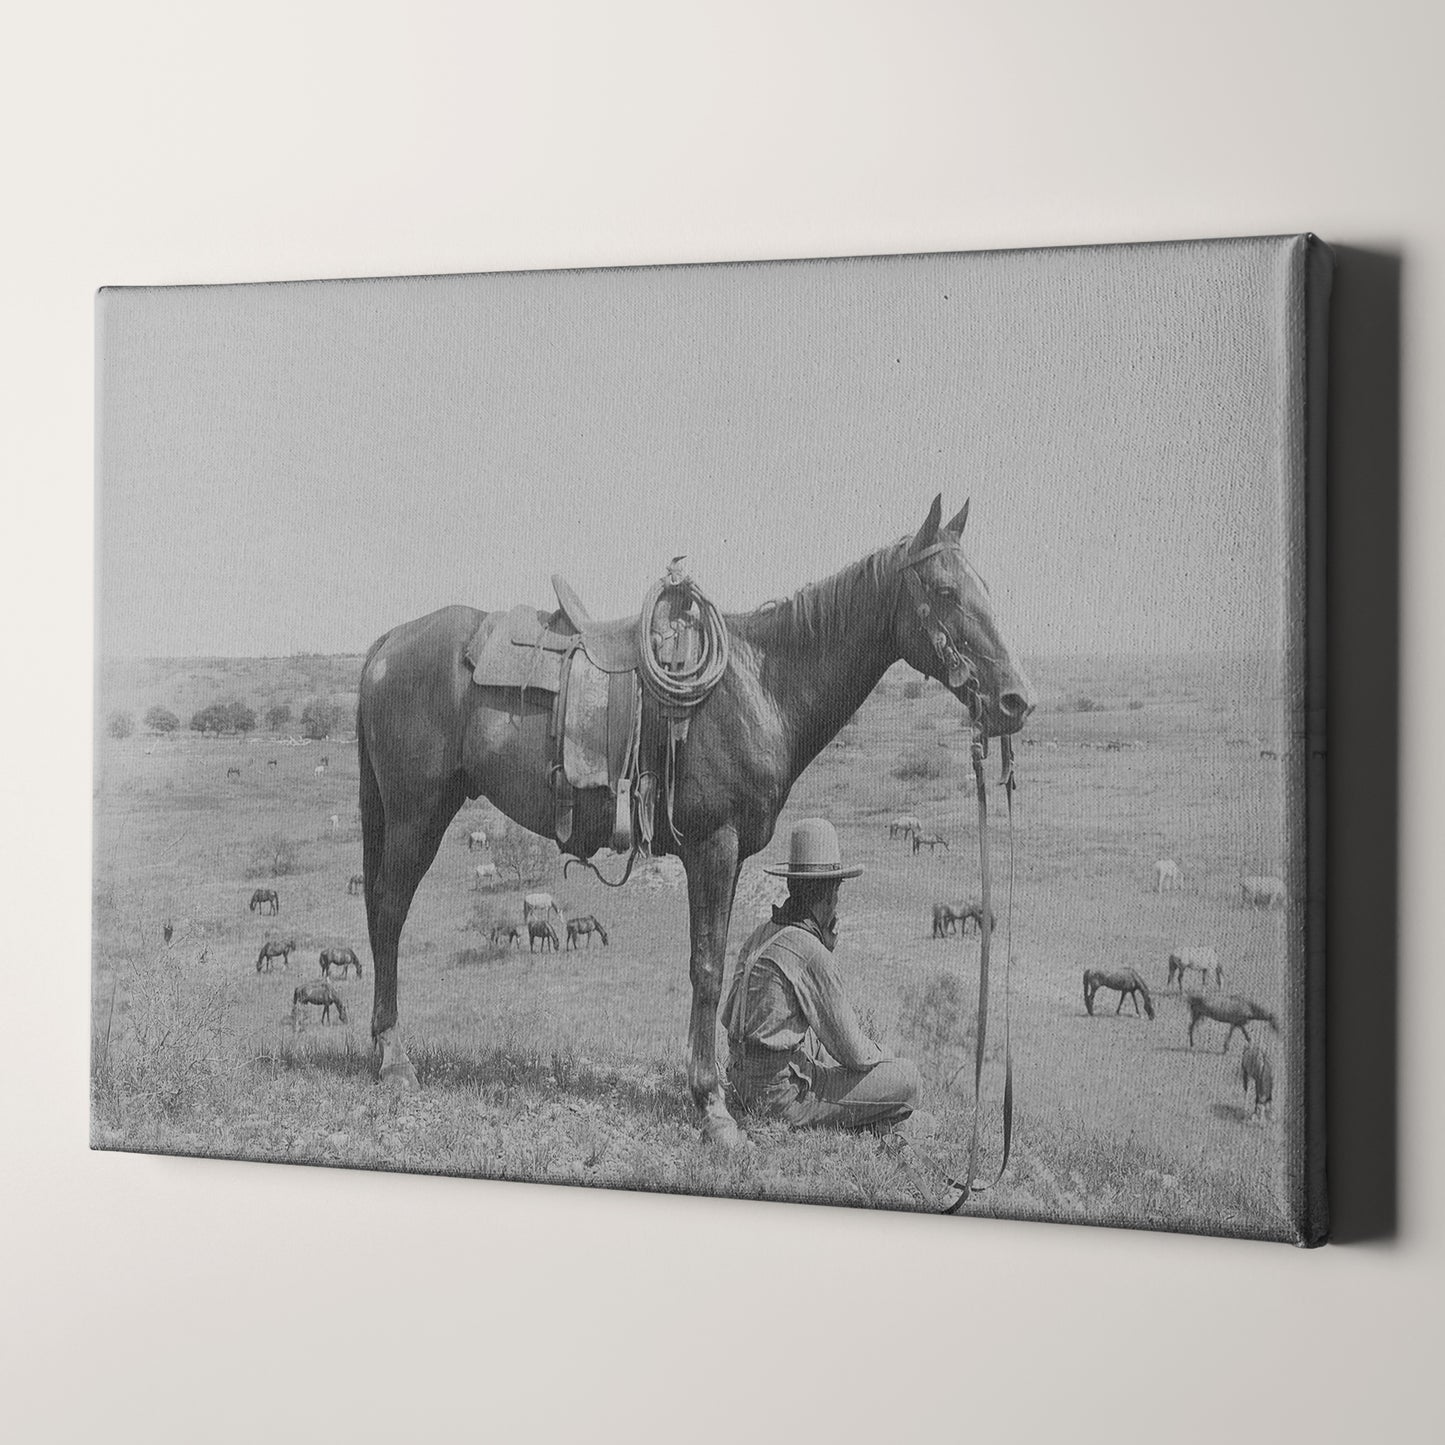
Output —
(232, 773)
(270, 762)
(584, 927)
(905, 825)
(537, 911)
(317, 993)
(1166, 875)
(973, 913)
(929, 841)
(1255, 1068)
(1204, 961)
(1269, 753)
(486, 873)
(1230, 1009)
(356, 883)
(264, 897)
(270, 949)
(1125, 980)
(320, 769)
(476, 840)
(509, 933)
(1263, 892)
(428, 738)
(340, 959)
(943, 918)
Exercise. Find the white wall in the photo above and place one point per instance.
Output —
(160, 1300)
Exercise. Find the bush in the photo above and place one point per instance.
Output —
(1087, 704)
(272, 857)
(913, 689)
(278, 718)
(522, 853)
(921, 767)
(162, 720)
(213, 719)
(935, 1012)
(120, 725)
(1135, 705)
(241, 717)
(317, 720)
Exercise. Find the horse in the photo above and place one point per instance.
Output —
(428, 739)
(1255, 1068)
(320, 770)
(929, 841)
(537, 911)
(356, 882)
(584, 927)
(270, 949)
(508, 932)
(1125, 980)
(1263, 892)
(1166, 875)
(475, 840)
(942, 920)
(1204, 961)
(336, 822)
(317, 993)
(232, 773)
(968, 913)
(486, 873)
(905, 824)
(270, 762)
(1230, 1009)
(263, 896)
(167, 930)
(340, 959)
(1269, 753)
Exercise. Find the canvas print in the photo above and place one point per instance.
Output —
(839, 731)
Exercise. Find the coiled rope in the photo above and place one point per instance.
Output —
(684, 687)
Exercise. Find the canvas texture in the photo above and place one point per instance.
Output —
(977, 608)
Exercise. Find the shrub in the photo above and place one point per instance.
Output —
(1135, 705)
(317, 720)
(278, 718)
(921, 767)
(120, 725)
(913, 689)
(1087, 704)
(522, 853)
(162, 720)
(272, 857)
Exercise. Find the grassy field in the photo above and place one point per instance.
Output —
(570, 1067)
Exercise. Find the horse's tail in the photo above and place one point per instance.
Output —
(601, 932)
(1148, 1002)
(1088, 993)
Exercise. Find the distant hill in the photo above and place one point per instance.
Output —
(187, 684)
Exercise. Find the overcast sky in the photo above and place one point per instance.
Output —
(299, 467)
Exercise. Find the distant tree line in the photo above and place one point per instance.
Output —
(318, 719)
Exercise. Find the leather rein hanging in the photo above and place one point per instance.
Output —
(959, 675)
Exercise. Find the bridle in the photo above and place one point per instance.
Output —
(959, 674)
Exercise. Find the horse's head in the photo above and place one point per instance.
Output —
(947, 628)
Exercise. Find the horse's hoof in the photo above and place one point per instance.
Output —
(400, 1075)
(724, 1134)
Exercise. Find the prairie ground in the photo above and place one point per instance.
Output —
(570, 1067)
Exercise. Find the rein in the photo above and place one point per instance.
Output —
(967, 1186)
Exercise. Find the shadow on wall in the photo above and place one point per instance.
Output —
(1362, 558)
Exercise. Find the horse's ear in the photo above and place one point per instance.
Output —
(959, 522)
(928, 532)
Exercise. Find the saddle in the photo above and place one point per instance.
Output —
(594, 674)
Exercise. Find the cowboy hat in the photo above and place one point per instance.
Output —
(813, 853)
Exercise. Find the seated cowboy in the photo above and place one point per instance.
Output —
(797, 1050)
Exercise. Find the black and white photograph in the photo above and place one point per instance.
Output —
(831, 731)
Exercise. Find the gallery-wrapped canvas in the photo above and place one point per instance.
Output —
(842, 731)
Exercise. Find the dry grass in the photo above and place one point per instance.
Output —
(570, 1067)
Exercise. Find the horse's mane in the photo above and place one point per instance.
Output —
(821, 611)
